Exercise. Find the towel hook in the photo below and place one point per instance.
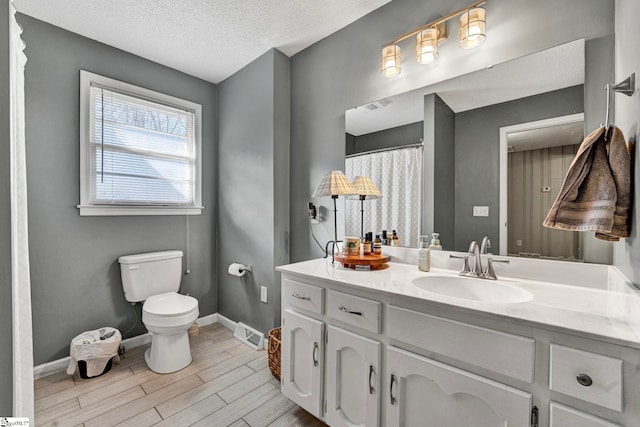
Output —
(627, 87)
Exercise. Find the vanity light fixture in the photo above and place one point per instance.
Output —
(472, 34)
(427, 46)
(365, 189)
(334, 184)
(391, 61)
(473, 28)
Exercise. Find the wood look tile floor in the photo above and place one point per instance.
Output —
(227, 384)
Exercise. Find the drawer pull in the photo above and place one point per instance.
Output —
(295, 295)
(313, 355)
(346, 310)
(371, 389)
(584, 379)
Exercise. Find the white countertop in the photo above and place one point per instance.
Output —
(601, 313)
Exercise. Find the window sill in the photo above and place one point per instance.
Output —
(137, 210)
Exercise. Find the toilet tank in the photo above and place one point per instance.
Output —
(153, 273)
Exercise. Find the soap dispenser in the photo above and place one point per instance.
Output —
(424, 254)
(435, 242)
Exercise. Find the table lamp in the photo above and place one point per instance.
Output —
(334, 184)
(365, 189)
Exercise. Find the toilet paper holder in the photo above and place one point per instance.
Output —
(239, 269)
(245, 267)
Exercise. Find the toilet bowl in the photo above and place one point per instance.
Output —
(167, 317)
(155, 279)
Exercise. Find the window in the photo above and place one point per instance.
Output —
(139, 150)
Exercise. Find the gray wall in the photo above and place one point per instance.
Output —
(627, 45)
(75, 276)
(321, 94)
(254, 187)
(438, 190)
(6, 359)
(387, 138)
(477, 154)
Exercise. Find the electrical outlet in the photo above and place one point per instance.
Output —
(481, 211)
(263, 294)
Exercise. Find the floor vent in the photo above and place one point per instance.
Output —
(249, 336)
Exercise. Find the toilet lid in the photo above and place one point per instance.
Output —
(170, 304)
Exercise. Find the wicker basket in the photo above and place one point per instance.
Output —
(274, 351)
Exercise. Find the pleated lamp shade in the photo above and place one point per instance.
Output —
(334, 183)
(365, 189)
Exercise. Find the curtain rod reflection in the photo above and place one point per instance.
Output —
(381, 150)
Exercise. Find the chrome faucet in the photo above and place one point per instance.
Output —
(486, 244)
(474, 251)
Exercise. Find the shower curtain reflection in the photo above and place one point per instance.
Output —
(398, 175)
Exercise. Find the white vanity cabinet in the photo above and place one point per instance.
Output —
(331, 372)
(302, 360)
(365, 354)
(425, 393)
(352, 379)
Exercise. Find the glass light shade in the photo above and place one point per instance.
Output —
(473, 28)
(365, 189)
(390, 65)
(334, 183)
(427, 46)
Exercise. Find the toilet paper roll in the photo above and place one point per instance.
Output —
(237, 269)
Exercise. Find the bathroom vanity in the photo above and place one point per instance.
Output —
(400, 347)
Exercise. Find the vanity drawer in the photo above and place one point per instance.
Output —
(304, 296)
(587, 376)
(564, 416)
(500, 352)
(361, 312)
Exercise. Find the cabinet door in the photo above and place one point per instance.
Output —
(425, 393)
(352, 379)
(301, 359)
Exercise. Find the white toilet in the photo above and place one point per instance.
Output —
(155, 279)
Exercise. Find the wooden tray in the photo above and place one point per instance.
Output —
(376, 262)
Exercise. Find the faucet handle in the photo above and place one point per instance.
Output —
(489, 273)
(465, 267)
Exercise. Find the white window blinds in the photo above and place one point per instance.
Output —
(142, 153)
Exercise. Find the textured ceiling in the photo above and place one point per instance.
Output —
(210, 39)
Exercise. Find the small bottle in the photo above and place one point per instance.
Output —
(424, 255)
(435, 243)
(384, 237)
(367, 245)
(395, 240)
(377, 245)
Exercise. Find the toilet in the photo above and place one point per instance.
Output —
(155, 279)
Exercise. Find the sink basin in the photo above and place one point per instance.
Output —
(475, 289)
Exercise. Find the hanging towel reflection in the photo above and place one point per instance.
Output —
(596, 193)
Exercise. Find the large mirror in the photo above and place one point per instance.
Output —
(492, 147)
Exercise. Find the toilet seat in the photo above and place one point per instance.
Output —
(169, 304)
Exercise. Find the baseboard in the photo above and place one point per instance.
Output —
(59, 365)
(208, 320)
(49, 368)
(226, 322)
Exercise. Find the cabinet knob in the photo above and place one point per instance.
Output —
(584, 379)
